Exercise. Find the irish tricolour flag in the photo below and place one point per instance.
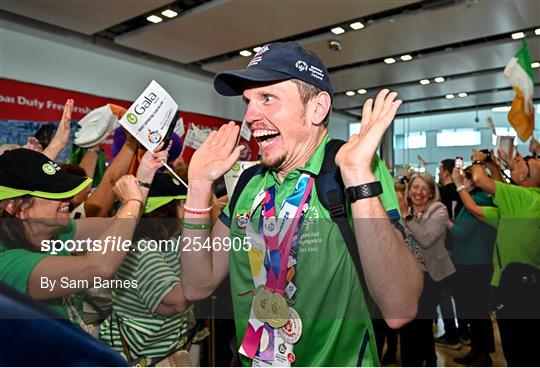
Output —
(519, 73)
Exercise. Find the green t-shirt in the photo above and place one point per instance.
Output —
(337, 328)
(147, 333)
(16, 266)
(517, 219)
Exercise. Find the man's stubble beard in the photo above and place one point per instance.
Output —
(275, 164)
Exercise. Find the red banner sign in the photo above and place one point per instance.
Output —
(31, 102)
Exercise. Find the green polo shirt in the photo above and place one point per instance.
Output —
(337, 328)
(517, 220)
(16, 266)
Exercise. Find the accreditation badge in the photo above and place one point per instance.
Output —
(283, 355)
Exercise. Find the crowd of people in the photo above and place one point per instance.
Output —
(336, 259)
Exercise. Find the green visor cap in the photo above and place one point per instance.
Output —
(7, 192)
(27, 172)
(153, 203)
(164, 189)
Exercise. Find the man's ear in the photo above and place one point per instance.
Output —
(323, 103)
(10, 208)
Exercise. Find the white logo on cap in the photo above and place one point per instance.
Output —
(257, 58)
(50, 168)
(301, 65)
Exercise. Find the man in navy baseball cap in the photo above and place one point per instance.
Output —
(288, 97)
(276, 62)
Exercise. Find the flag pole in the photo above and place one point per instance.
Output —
(173, 173)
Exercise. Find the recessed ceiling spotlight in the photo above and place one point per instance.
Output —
(169, 13)
(535, 65)
(257, 49)
(245, 53)
(449, 96)
(439, 79)
(406, 57)
(462, 94)
(389, 60)
(349, 93)
(362, 91)
(424, 81)
(154, 19)
(356, 25)
(337, 30)
(518, 35)
(537, 31)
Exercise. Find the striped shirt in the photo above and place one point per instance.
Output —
(147, 333)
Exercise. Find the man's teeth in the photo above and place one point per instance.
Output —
(64, 209)
(264, 132)
(267, 142)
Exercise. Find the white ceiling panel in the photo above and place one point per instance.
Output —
(225, 26)
(469, 84)
(88, 17)
(409, 33)
(497, 98)
(463, 60)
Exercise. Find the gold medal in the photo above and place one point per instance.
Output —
(261, 300)
(277, 311)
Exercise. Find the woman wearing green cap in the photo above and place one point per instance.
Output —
(153, 320)
(37, 235)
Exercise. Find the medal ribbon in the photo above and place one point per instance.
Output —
(278, 252)
(302, 193)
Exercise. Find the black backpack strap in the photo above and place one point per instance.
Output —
(244, 178)
(330, 190)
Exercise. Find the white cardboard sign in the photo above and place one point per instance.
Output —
(150, 116)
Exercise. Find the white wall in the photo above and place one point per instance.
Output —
(72, 62)
(433, 124)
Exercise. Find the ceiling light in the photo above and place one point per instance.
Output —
(536, 64)
(501, 109)
(406, 57)
(439, 79)
(257, 49)
(462, 94)
(154, 19)
(362, 91)
(389, 60)
(424, 81)
(537, 31)
(337, 30)
(356, 25)
(169, 13)
(245, 53)
(349, 93)
(518, 35)
(449, 96)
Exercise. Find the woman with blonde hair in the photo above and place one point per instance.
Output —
(426, 220)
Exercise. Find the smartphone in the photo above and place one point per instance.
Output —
(459, 164)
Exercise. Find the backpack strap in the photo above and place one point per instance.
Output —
(331, 193)
(243, 180)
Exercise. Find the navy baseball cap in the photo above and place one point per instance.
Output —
(276, 62)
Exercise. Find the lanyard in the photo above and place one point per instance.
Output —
(278, 256)
(279, 235)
